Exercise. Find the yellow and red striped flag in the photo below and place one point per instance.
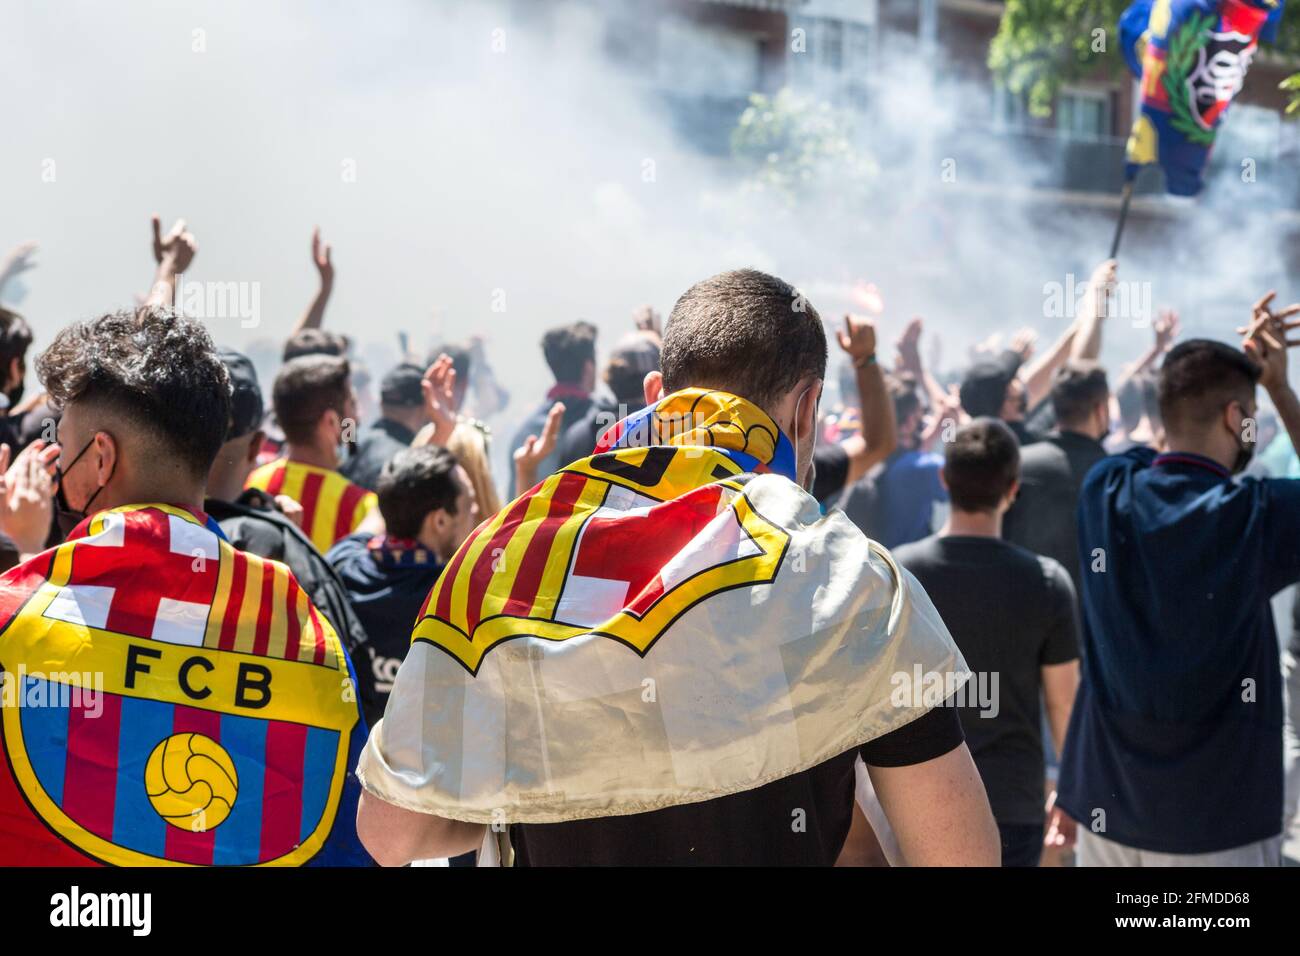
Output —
(332, 506)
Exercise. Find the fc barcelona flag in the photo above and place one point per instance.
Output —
(170, 700)
(667, 621)
(1192, 57)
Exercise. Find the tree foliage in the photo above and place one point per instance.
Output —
(794, 146)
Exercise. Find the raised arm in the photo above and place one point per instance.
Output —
(1266, 343)
(1096, 307)
(173, 254)
(1037, 374)
(879, 435)
(320, 257)
(18, 261)
(909, 360)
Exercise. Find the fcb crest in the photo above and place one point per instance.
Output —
(612, 546)
(172, 701)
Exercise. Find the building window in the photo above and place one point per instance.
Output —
(1083, 114)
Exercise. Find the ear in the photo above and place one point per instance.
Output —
(433, 525)
(806, 407)
(331, 421)
(653, 385)
(107, 454)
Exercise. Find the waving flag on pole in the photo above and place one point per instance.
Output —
(668, 621)
(1192, 57)
(168, 700)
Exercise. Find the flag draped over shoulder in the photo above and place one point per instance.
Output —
(1192, 57)
(332, 506)
(170, 700)
(668, 621)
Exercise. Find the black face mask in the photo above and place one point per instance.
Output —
(67, 517)
(15, 395)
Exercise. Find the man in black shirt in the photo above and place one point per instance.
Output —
(1043, 517)
(1014, 616)
(735, 334)
(401, 416)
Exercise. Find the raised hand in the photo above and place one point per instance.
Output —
(439, 388)
(27, 494)
(18, 261)
(646, 320)
(909, 347)
(177, 249)
(1266, 340)
(529, 456)
(858, 338)
(320, 257)
(1023, 343)
(1166, 328)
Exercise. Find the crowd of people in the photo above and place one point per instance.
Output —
(1101, 550)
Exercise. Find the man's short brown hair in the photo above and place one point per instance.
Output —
(153, 369)
(744, 332)
(981, 464)
(306, 389)
(1198, 378)
(1078, 387)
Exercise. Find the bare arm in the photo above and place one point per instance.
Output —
(16, 263)
(1060, 683)
(939, 811)
(1096, 306)
(879, 435)
(909, 361)
(395, 837)
(173, 254)
(1037, 374)
(1266, 343)
(320, 257)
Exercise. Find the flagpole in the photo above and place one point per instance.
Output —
(1123, 217)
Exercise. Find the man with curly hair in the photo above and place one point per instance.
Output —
(146, 640)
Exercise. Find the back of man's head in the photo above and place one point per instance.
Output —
(462, 359)
(903, 394)
(569, 349)
(305, 389)
(743, 332)
(1129, 399)
(981, 464)
(315, 342)
(1078, 387)
(1198, 378)
(413, 483)
(632, 360)
(15, 338)
(153, 372)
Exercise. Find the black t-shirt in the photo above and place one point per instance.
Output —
(830, 471)
(384, 439)
(1044, 517)
(1011, 613)
(800, 820)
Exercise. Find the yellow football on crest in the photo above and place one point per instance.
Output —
(191, 781)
